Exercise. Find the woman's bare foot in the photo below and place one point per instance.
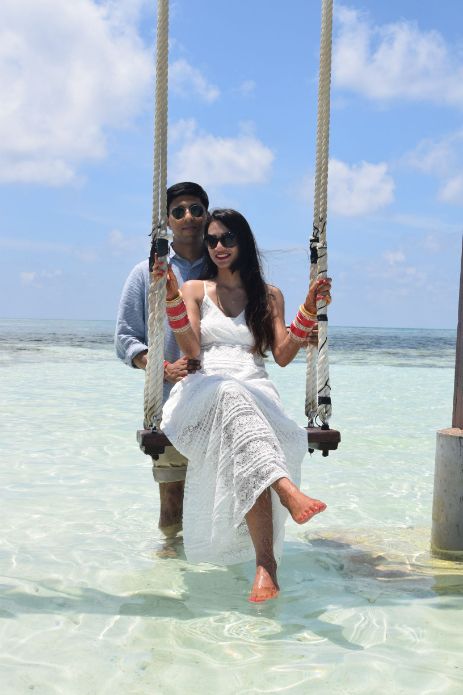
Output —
(265, 585)
(300, 506)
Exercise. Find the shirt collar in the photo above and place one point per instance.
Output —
(184, 261)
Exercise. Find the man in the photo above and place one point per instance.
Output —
(187, 205)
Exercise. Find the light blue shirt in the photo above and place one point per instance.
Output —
(131, 336)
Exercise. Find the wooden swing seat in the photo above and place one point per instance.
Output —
(154, 442)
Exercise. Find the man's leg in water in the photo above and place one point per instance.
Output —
(171, 512)
(170, 471)
(260, 524)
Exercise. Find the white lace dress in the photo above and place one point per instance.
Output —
(228, 421)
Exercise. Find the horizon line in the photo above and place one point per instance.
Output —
(113, 320)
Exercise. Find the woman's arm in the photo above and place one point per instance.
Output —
(189, 342)
(285, 348)
(189, 299)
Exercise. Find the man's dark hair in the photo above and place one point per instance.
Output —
(258, 313)
(187, 188)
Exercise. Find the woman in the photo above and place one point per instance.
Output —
(244, 453)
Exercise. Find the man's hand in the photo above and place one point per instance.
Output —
(140, 360)
(175, 371)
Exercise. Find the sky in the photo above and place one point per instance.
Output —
(76, 144)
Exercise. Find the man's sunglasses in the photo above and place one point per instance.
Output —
(228, 240)
(180, 211)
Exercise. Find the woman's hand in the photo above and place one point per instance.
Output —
(318, 290)
(176, 371)
(161, 268)
(312, 339)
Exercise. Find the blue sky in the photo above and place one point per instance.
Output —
(76, 147)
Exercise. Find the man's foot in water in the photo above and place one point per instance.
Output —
(300, 506)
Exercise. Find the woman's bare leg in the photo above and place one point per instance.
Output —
(300, 506)
(260, 524)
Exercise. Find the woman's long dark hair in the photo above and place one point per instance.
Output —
(258, 313)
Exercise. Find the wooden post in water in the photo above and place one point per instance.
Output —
(447, 509)
(457, 418)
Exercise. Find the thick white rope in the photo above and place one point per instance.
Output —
(318, 401)
(154, 375)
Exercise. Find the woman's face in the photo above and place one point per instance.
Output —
(226, 251)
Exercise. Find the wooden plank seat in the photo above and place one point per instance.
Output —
(153, 443)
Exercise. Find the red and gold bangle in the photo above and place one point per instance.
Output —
(307, 314)
(302, 325)
(297, 334)
(176, 311)
(180, 325)
(177, 314)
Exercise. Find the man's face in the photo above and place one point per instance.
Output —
(188, 229)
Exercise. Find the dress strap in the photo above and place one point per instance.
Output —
(205, 288)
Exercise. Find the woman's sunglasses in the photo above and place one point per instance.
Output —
(180, 211)
(228, 240)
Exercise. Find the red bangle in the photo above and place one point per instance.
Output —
(179, 325)
(297, 332)
(304, 321)
(166, 363)
(175, 311)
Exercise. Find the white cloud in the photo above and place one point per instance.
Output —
(247, 87)
(120, 244)
(27, 278)
(41, 170)
(433, 225)
(216, 160)
(68, 71)
(35, 278)
(183, 129)
(359, 189)
(185, 80)
(392, 267)
(438, 157)
(88, 255)
(452, 190)
(443, 159)
(394, 257)
(395, 61)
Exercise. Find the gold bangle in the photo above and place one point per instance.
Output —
(307, 314)
(175, 301)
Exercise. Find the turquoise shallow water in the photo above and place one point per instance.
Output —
(93, 602)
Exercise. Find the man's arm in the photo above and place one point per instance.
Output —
(130, 326)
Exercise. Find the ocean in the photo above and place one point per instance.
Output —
(93, 601)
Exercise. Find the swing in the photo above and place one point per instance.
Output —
(318, 400)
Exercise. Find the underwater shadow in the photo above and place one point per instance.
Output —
(315, 576)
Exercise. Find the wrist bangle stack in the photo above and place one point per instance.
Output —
(177, 315)
(302, 325)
